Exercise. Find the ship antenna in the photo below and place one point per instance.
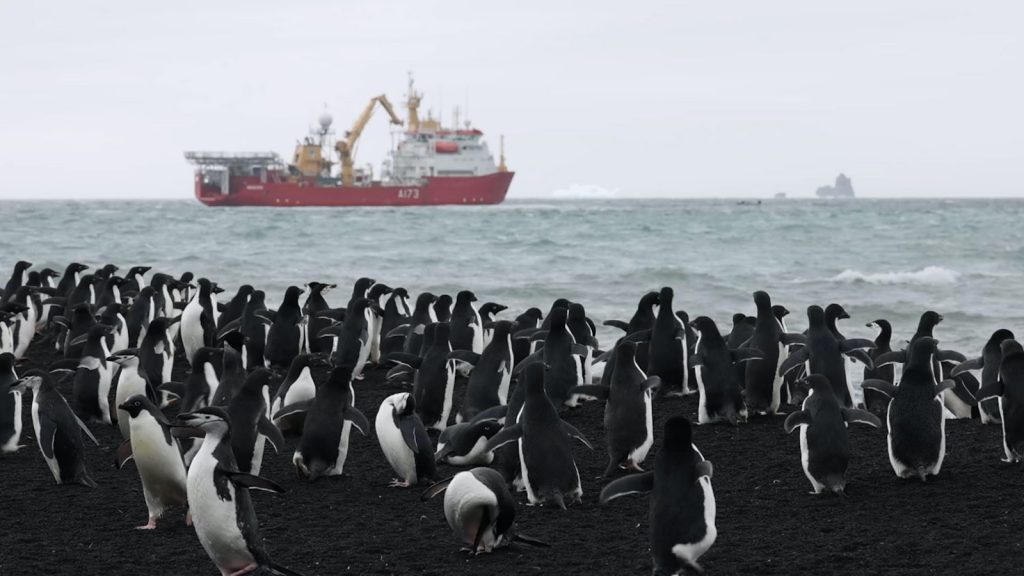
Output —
(501, 164)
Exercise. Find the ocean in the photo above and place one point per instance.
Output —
(889, 259)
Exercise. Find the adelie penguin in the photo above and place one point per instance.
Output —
(643, 318)
(157, 458)
(467, 329)
(132, 379)
(875, 401)
(465, 444)
(682, 509)
(628, 412)
(251, 428)
(563, 358)
(199, 319)
(58, 431)
(480, 510)
(91, 388)
(763, 382)
(1008, 391)
(492, 372)
(218, 495)
(915, 419)
(404, 441)
(548, 469)
(10, 406)
(331, 415)
(233, 309)
(487, 313)
(284, 339)
(667, 351)
(434, 384)
(989, 363)
(824, 443)
(298, 387)
(721, 393)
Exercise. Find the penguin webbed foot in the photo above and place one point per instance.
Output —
(151, 525)
(396, 483)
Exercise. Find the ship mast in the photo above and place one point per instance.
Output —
(501, 164)
(412, 104)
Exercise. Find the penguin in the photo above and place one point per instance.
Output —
(298, 387)
(375, 318)
(762, 380)
(143, 311)
(917, 426)
(253, 330)
(491, 377)
(823, 354)
(824, 444)
(525, 322)
(91, 388)
(58, 431)
(331, 415)
(682, 509)
(396, 313)
(135, 279)
(284, 340)
(404, 441)
(77, 324)
(1008, 390)
(487, 313)
(643, 318)
(463, 444)
(157, 458)
(833, 313)
(548, 470)
(132, 380)
(233, 309)
(422, 315)
(628, 412)
(156, 352)
(109, 291)
(199, 320)
(360, 289)
(112, 317)
(201, 384)
(314, 308)
(466, 327)
(10, 406)
(354, 340)
(721, 392)
(218, 496)
(561, 356)
(251, 427)
(742, 330)
(667, 349)
(480, 510)
(989, 363)
(231, 375)
(71, 277)
(24, 329)
(583, 333)
(443, 308)
(19, 275)
(434, 384)
(873, 400)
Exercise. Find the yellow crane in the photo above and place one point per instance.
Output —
(346, 147)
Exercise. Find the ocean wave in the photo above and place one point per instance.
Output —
(928, 276)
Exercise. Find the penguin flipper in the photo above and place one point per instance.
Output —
(862, 356)
(632, 484)
(949, 355)
(946, 384)
(47, 434)
(246, 480)
(893, 357)
(85, 429)
(887, 388)
(640, 336)
(990, 390)
(176, 388)
(746, 355)
(492, 413)
(580, 349)
(972, 364)
(357, 418)
(851, 344)
(485, 521)
(435, 489)
(574, 433)
(467, 356)
(652, 382)
(411, 360)
(230, 327)
(852, 415)
(294, 408)
(506, 435)
(123, 455)
(537, 356)
(796, 358)
(795, 420)
(793, 339)
(272, 432)
(617, 324)
(596, 390)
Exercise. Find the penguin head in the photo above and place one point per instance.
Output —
(1010, 346)
(135, 270)
(1001, 335)
(134, 405)
(403, 404)
(625, 351)
(818, 383)
(929, 320)
(107, 270)
(678, 434)
(127, 357)
(444, 301)
(880, 325)
(211, 420)
(501, 328)
(815, 315)
(399, 293)
(377, 290)
(780, 311)
(22, 265)
(319, 288)
(258, 298)
(738, 318)
(576, 313)
(762, 300)
(291, 295)
(836, 312)
(705, 325)
(465, 297)
(33, 380)
(649, 300)
(529, 319)
(75, 268)
(557, 318)
(361, 286)
(492, 308)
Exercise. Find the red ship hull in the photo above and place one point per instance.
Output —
(254, 191)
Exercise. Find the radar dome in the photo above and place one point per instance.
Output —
(325, 120)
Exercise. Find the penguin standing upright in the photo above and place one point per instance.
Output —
(667, 350)
(466, 327)
(156, 456)
(989, 363)
(527, 321)
(396, 313)
(874, 401)
(251, 427)
(824, 444)
(643, 318)
(917, 426)
(548, 470)
(434, 384)
(143, 311)
(721, 391)
(443, 308)
(218, 495)
(492, 372)
(298, 387)
(1008, 390)
(91, 388)
(199, 320)
(314, 308)
(629, 412)
(404, 440)
(284, 340)
(330, 417)
(58, 431)
(156, 352)
(564, 366)
(19, 275)
(487, 313)
(132, 379)
(377, 294)
(233, 309)
(682, 510)
(10, 406)
(763, 383)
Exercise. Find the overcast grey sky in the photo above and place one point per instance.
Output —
(909, 98)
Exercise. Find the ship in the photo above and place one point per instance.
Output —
(429, 165)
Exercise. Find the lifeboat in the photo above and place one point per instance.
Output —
(446, 147)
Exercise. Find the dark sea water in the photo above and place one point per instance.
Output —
(888, 259)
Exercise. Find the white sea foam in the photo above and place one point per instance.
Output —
(585, 191)
(929, 276)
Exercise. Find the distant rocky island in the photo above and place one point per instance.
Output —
(843, 188)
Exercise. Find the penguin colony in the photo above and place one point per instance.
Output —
(198, 444)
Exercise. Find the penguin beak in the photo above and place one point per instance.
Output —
(184, 427)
